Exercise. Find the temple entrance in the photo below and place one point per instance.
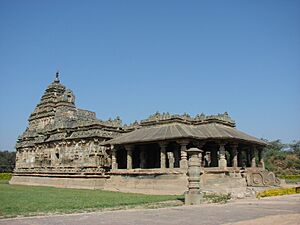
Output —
(152, 156)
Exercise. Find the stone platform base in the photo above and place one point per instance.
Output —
(166, 184)
(222, 183)
(155, 182)
(80, 183)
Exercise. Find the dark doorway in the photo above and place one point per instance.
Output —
(122, 158)
(136, 162)
(152, 156)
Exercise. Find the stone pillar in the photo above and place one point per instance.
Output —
(176, 157)
(222, 158)
(163, 146)
(253, 159)
(142, 158)
(248, 155)
(200, 145)
(193, 196)
(171, 159)
(114, 164)
(234, 155)
(183, 155)
(240, 158)
(261, 159)
(129, 149)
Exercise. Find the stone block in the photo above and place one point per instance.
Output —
(193, 198)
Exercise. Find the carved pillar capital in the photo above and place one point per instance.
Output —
(183, 142)
(163, 144)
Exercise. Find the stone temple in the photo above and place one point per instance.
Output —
(65, 146)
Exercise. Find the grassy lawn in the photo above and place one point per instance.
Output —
(22, 200)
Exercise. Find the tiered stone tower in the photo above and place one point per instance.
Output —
(62, 139)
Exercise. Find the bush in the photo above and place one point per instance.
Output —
(290, 177)
(279, 191)
(7, 161)
(5, 176)
(217, 198)
(282, 159)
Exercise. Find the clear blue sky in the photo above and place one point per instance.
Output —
(132, 58)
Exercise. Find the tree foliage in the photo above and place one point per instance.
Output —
(295, 147)
(7, 161)
(283, 159)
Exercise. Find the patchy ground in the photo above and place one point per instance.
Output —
(272, 210)
(21, 200)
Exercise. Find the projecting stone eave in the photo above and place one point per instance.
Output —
(176, 131)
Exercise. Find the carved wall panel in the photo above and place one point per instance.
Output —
(262, 178)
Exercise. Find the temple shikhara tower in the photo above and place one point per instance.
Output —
(62, 139)
(65, 146)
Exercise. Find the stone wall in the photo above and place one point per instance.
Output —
(84, 183)
(222, 183)
(157, 184)
(168, 184)
(73, 155)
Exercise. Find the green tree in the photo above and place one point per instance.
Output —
(295, 147)
(7, 161)
(282, 159)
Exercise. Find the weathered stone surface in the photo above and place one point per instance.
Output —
(193, 196)
(258, 178)
(61, 182)
(198, 119)
(64, 142)
(157, 184)
(63, 138)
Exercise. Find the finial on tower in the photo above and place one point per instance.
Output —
(57, 77)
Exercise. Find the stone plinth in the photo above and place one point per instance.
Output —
(193, 198)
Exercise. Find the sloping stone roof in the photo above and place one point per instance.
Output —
(174, 131)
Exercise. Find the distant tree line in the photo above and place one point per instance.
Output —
(7, 161)
(283, 159)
